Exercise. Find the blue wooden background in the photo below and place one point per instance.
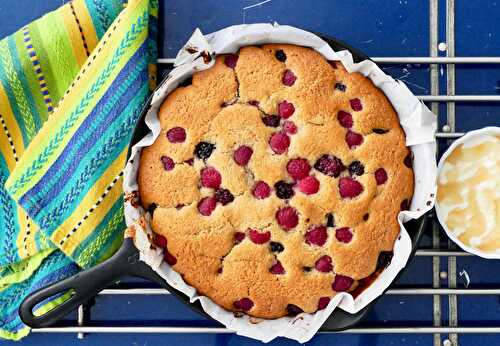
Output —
(379, 28)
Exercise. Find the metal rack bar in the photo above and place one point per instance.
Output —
(437, 60)
(80, 320)
(392, 291)
(438, 252)
(450, 121)
(219, 330)
(411, 60)
(434, 84)
(449, 134)
(459, 98)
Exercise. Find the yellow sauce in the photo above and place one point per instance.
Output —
(468, 193)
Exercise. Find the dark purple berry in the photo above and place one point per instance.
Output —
(329, 165)
(356, 168)
(293, 310)
(152, 207)
(408, 161)
(340, 86)
(271, 120)
(276, 247)
(203, 150)
(224, 196)
(284, 190)
(330, 220)
(280, 55)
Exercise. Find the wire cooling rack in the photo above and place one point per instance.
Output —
(443, 285)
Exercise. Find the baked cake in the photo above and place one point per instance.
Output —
(276, 180)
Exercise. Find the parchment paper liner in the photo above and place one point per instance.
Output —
(416, 119)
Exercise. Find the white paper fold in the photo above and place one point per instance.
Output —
(417, 121)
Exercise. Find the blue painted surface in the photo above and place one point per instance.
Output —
(379, 28)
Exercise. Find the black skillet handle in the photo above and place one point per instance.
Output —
(84, 286)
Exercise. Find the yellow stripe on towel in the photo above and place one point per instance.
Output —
(77, 40)
(26, 244)
(11, 139)
(92, 209)
(86, 21)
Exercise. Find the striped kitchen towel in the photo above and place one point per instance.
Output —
(72, 85)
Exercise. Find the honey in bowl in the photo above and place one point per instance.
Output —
(468, 193)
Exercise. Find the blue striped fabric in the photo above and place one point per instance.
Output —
(125, 87)
(55, 267)
(71, 191)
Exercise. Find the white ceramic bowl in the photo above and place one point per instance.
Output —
(470, 136)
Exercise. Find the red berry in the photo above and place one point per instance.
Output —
(287, 218)
(169, 258)
(289, 78)
(353, 139)
(345, 119)
(210, 177)
(160, 241)
(242, 155)
(380, 176)
(277, 268)
(323, 303)
(308, 185)
(230, 60)
(279, 142)
(238, 237)
(290, 127)
(244, 304)
(349, 188)
(298, 168)
(356, 104)
(176, 135)
(259, 238)
(207, 205)
(324, 264)
(342, 283)
(343, 235)
(316, 235)
(168, 163)
(285, 109)
(261, 190)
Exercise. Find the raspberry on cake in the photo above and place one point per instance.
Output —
(277, 173)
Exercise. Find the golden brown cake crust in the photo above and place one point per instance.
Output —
(220, 107)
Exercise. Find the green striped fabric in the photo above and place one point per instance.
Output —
(72, 85)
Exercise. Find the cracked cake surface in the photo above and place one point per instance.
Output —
(276, 180)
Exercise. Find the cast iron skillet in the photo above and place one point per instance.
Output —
(87, 284)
